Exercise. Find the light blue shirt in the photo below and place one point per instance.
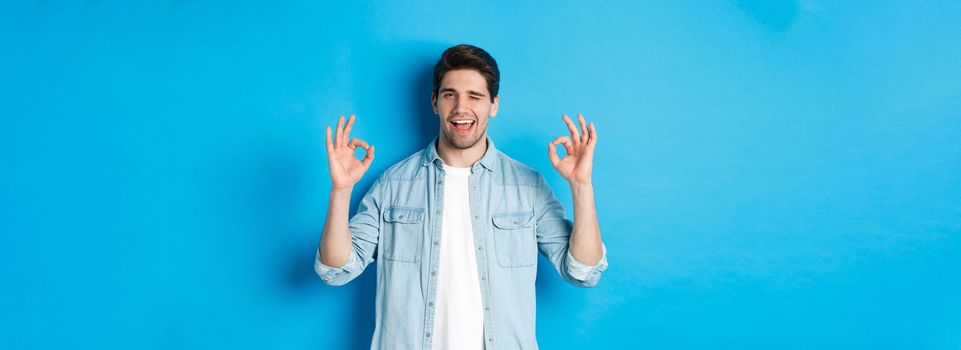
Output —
(398, 224)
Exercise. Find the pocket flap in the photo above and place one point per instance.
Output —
(510, 221)
(404, 215)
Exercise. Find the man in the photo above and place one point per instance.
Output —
(455, 228)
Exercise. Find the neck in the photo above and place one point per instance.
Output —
(461, 158)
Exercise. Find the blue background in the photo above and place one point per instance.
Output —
(770, 174)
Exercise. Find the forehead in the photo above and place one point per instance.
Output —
(464, 79)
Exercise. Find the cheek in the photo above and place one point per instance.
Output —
(481, 109)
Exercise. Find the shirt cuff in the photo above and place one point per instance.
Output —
(330, 273)
(582, 271)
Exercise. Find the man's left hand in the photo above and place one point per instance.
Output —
(575, 167)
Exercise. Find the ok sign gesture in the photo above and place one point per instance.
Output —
(345, 169)
(575, 167)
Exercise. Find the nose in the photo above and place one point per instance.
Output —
(460, 105)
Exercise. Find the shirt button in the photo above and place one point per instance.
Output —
(401, 216)
(476, 217)
(514, 222)
(430, 303)
(484, 278)
(440, 182)
(487, 308)
(480, 248)
(433, 273)
(490, 339)
(436, 243)
(428, 334)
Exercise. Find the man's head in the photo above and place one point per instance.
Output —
(466, 80)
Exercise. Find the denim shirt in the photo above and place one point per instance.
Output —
(398, 224)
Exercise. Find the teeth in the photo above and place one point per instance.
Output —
(463, 121)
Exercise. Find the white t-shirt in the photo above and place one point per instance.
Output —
(459, 313)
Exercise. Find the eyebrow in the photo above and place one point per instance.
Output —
(469, 92)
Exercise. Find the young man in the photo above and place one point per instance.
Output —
(455, 228)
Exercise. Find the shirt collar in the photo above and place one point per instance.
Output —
(487, 161)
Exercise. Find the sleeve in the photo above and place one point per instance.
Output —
(553, 239)
(582, 271)
(364, 229)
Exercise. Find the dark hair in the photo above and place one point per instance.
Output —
(468, 57)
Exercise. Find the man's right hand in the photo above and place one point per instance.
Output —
(345, 169)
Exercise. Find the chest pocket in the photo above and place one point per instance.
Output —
(514, 239)
(403, 234)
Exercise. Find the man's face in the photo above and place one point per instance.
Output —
(464, 106)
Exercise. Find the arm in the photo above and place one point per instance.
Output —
(340, 253)
(585, 256)
(585, 242)
(556, 238)
(576, 167)
(362, 232)
(335, 240)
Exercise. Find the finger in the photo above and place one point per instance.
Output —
(570, 126)
(568, 146)
(330, 143)
(368, 158)
(562, 139)
(358, 142)
(552, 153)
(340, 132)
(350, 125)
(593, 135)
(587, 135)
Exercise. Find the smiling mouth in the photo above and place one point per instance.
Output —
(463, 126)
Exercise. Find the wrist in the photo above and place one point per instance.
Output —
(341, 192)
(581, 186)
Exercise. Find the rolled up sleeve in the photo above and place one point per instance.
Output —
(588, 274)
(337, 276)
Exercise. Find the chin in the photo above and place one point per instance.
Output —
(465, 142)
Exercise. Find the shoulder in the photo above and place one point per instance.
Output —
(513, 172)
(409, 169)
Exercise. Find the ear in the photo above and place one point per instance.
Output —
(433, 102)
(497, 100)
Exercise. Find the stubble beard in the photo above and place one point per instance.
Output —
(463, 142)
